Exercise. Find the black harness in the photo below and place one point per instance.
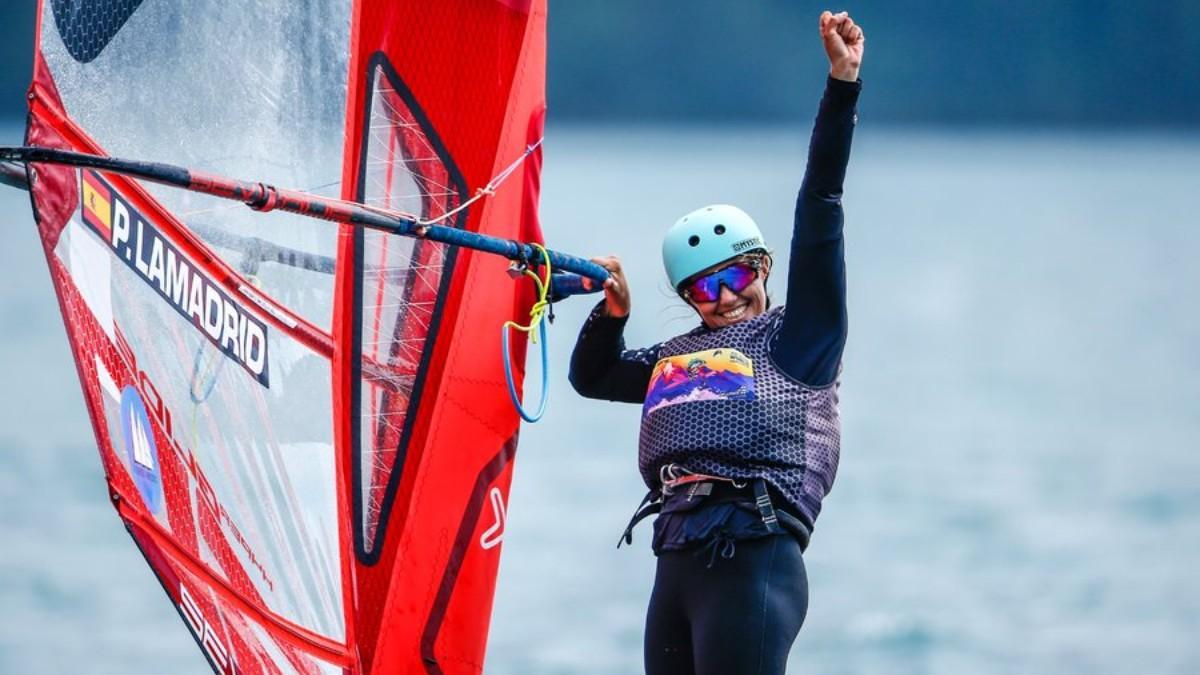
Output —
(776, 521)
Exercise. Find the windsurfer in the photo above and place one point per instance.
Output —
(738, 465)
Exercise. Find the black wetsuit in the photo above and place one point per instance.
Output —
(727, 597)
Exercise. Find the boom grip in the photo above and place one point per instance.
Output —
(565, 284)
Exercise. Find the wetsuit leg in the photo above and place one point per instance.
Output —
(747, 610)
(668, 641)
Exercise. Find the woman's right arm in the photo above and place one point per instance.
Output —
(601, 367)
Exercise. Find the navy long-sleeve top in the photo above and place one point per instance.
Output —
(809, 344)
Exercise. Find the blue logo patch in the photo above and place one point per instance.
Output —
(140, 448)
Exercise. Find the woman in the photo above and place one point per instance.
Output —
(740, 430)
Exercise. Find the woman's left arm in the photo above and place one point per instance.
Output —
(809, 343)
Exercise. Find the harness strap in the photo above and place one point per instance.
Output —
(651, 504)
(762, 499)
(795, 527)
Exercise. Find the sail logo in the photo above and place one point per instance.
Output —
(140, 439)
(140, 449)
(494, 534)
(205, 495)
(232, 329)
(205, 634)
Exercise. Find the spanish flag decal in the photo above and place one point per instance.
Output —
(97, 204)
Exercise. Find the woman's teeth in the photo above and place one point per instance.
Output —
(735, 313)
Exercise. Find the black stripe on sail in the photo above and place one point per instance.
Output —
(462, 542)
(368, 547)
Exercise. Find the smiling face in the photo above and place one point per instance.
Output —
(732, 307)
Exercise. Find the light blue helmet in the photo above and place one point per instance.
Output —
(708, 236)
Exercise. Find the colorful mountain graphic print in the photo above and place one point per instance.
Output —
(703, 376)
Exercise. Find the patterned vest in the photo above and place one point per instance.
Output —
(717, 404)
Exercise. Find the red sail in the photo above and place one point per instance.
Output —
(304, 427)
(453, 92)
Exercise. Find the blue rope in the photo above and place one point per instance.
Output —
(536, 329)
(508, 375)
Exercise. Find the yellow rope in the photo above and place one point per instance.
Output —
(538, 312)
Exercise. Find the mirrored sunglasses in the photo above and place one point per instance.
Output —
(735, 277)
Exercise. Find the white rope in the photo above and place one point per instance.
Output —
(485, 191)
(489, 189)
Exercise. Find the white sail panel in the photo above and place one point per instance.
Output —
(255, 461)
(248, 89)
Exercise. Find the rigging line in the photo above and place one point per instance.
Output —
(490, 188)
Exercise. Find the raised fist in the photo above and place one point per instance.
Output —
(844, 41)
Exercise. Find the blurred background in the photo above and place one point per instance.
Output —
(1020, 480)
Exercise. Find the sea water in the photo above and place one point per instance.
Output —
(1021, 402)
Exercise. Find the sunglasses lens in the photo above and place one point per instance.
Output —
(735, 277)
(738, 277)
(705, 289)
